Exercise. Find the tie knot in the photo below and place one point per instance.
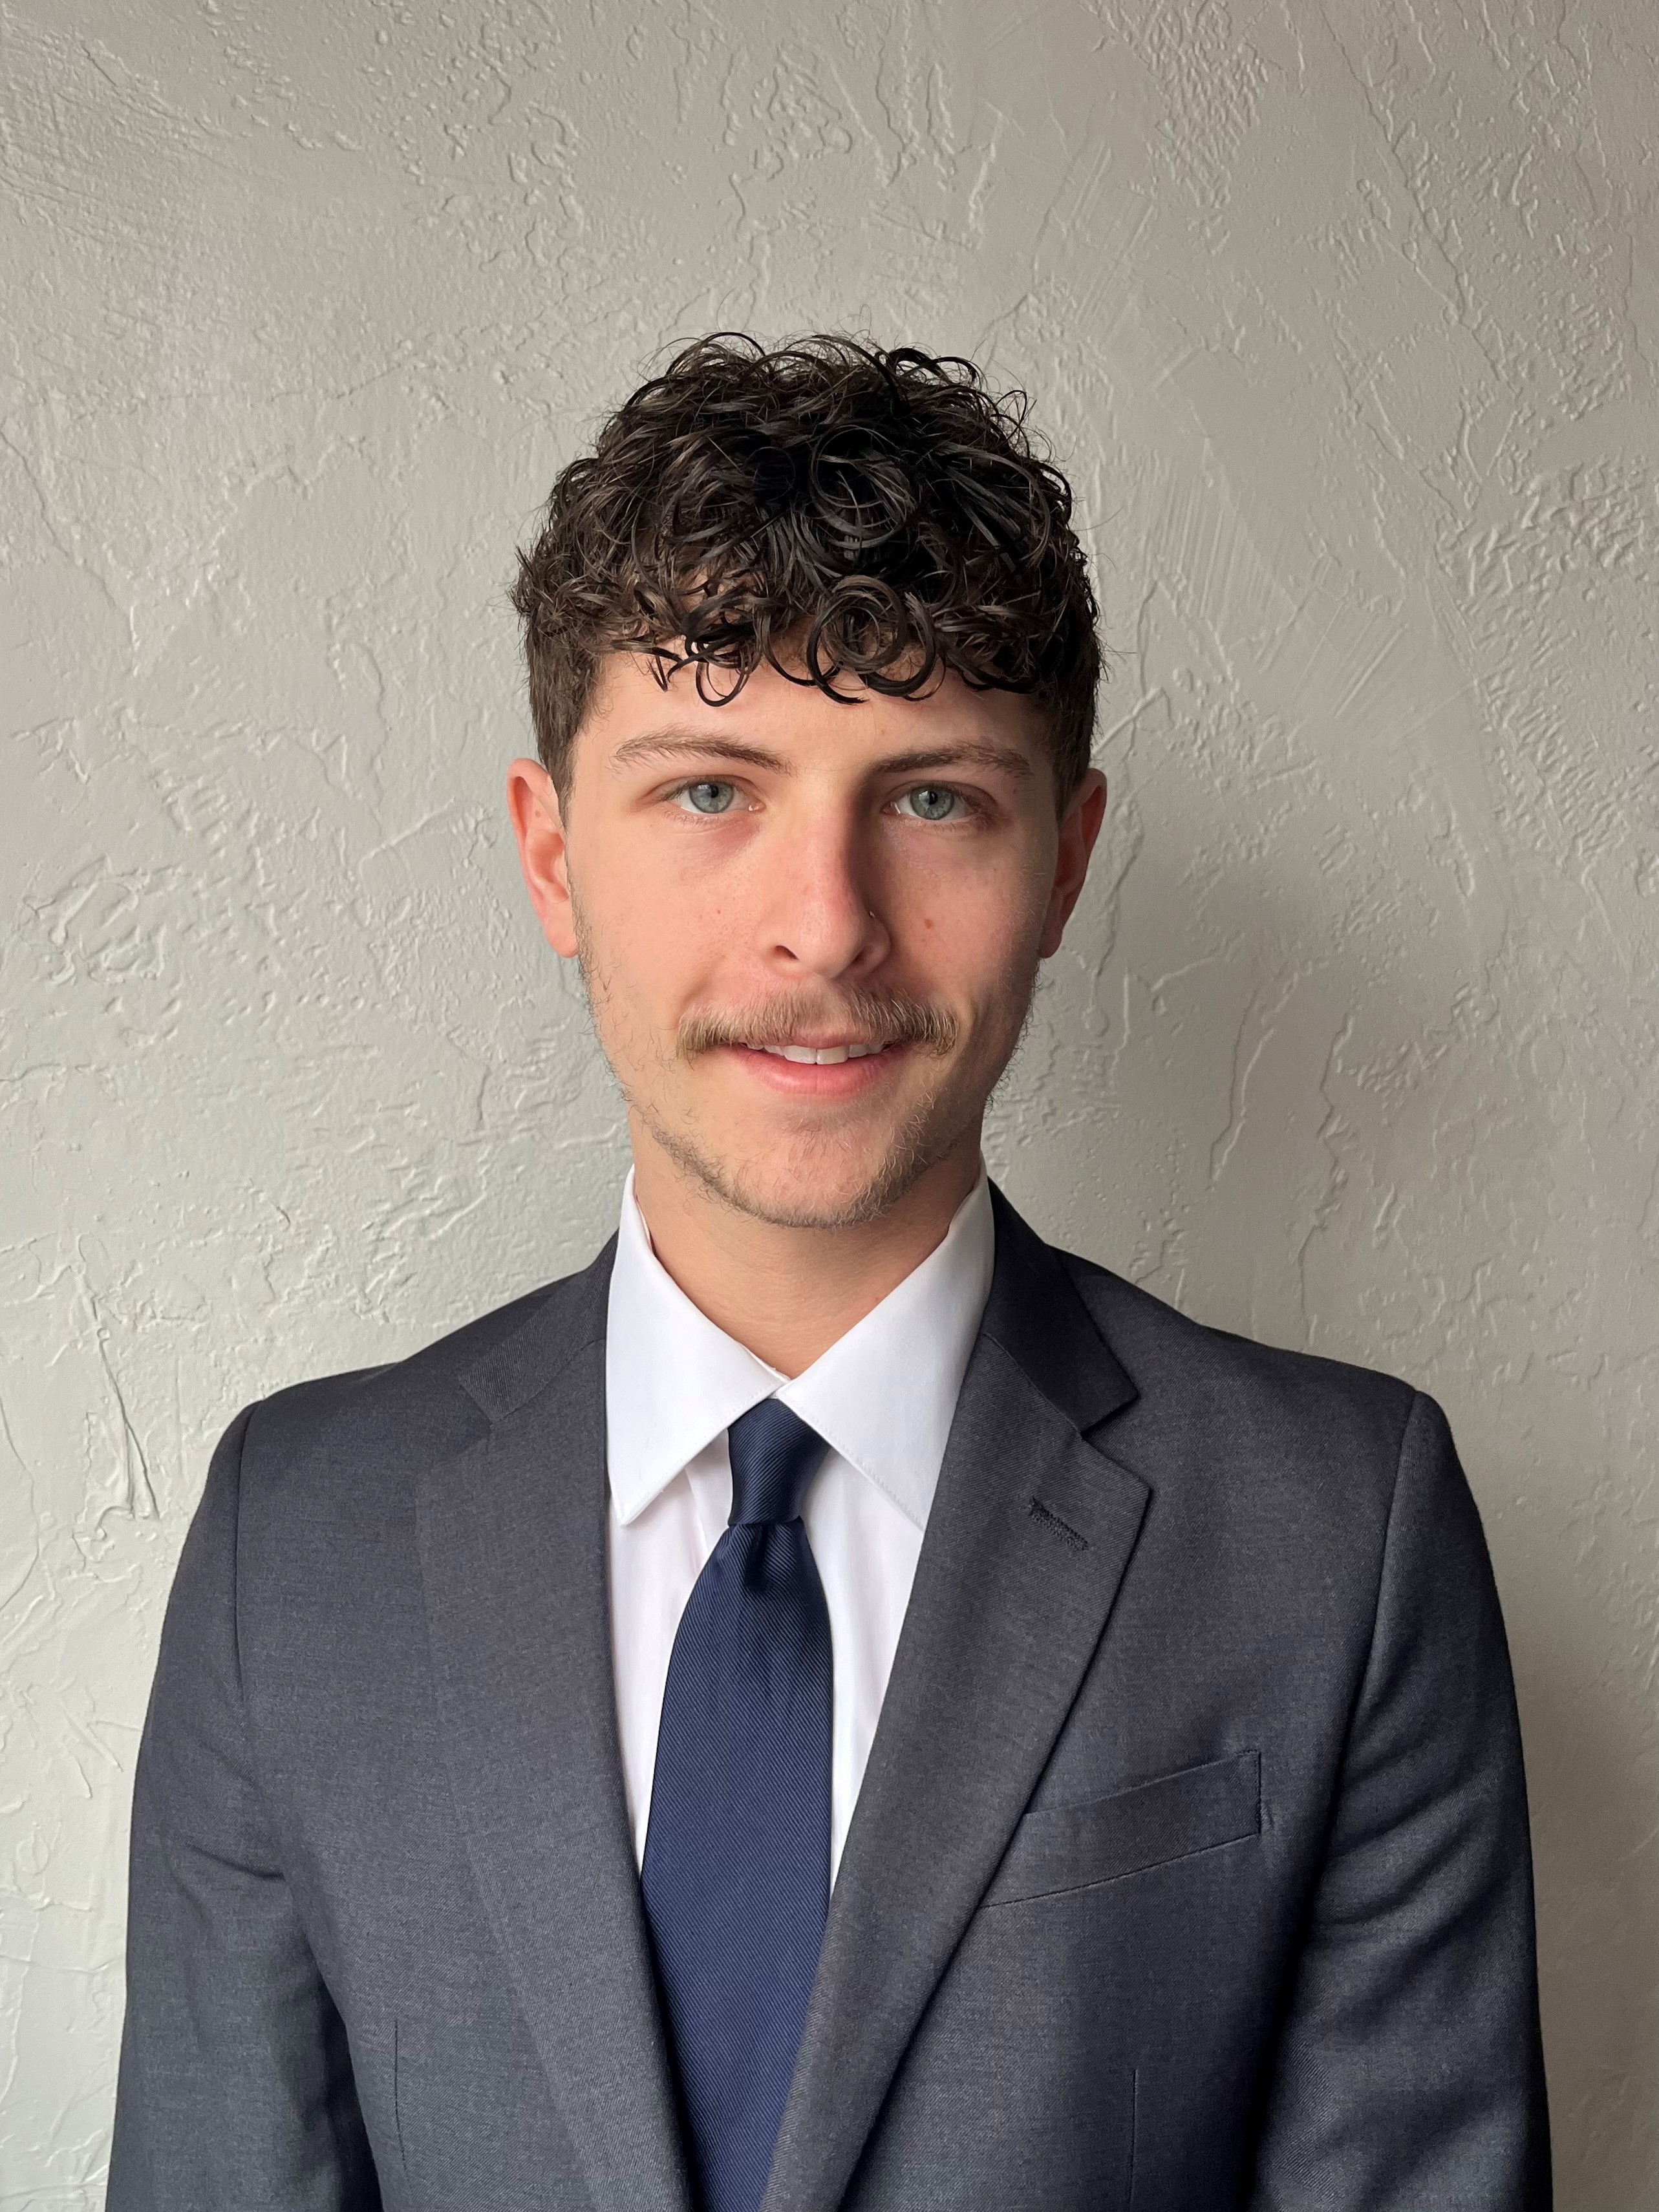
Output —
(774, 1456)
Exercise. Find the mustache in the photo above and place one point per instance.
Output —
(882, 1018)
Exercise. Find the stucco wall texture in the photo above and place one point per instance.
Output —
(1344, 317)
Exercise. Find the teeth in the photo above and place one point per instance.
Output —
(823, 1056)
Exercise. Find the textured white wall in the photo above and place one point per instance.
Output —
(1344, 318)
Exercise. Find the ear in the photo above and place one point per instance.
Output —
(1080, 827)
(537, 819)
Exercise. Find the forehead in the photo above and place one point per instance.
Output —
(631, 714)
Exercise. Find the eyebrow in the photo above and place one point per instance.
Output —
(668, 744)
(678, 745)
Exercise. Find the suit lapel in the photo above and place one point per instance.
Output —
(512, 1555)
(1030, 1534)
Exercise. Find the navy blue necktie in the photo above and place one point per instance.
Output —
(736, 1873)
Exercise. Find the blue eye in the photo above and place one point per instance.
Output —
(707, 796)
(929, 802)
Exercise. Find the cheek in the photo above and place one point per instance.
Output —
(977, 934)
(655, 938)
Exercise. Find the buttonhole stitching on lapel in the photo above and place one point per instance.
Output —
(1050, 1519)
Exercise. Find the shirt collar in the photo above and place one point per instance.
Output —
(883, 1396)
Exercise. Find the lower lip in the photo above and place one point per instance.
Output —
(832, 1079)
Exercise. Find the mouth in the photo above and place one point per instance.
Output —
(824, 1075)
(820, 1055)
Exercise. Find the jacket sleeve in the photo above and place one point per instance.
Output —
(235, 2087)
(1408, 2070)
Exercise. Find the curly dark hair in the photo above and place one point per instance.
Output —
(836, 511)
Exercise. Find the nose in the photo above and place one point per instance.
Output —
(822, 913)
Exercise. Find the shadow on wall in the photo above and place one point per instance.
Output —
(1590, 1784)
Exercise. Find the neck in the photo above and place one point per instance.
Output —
(788, 1294)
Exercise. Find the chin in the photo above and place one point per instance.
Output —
(807, 1185)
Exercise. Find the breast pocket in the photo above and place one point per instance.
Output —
(1060, 1848)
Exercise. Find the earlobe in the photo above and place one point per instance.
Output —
(537, 819)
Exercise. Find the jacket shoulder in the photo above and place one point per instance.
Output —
(430, 1404)
(1236, 1392)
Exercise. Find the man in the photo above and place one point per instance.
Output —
(839, 1704)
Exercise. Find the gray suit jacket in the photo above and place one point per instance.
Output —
(1189, 1871)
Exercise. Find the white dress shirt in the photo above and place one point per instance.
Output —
(882, 1397)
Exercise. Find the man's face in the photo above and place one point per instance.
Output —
(809, 931)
